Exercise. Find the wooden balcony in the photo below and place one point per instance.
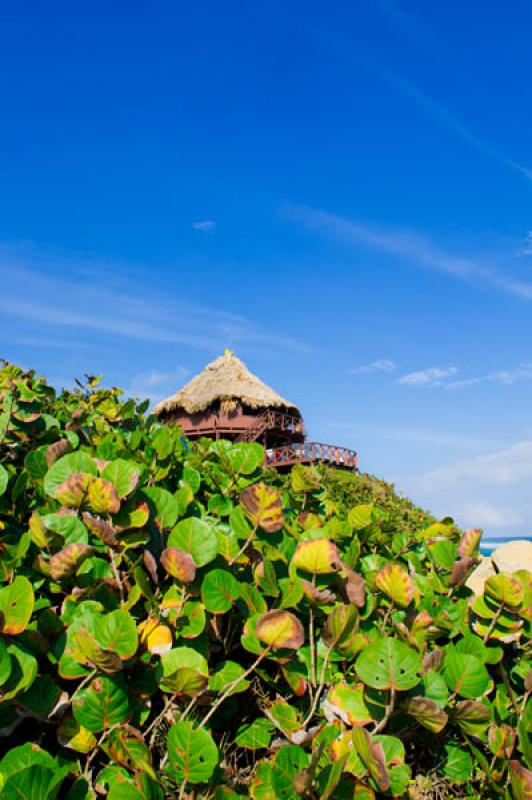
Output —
(312, 453)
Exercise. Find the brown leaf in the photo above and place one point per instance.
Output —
(151, 565)
(100, 528)
(355, 588)
(461, 570)
(433, 660)
(66, 562)
(56, 450)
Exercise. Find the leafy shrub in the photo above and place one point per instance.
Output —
(173, 625)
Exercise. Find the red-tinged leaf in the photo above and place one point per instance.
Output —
(521, 781)
(67, 561)
(56, 450)
(469, 542)
(71, 492)
(103, 497)
(317, 556)
(395, 582)
(461, 570)
(355, 588)
(151, 565)
(373, 758)
(427, 712)
(105, 532)
(280, 630)
(178, 564)
(264, 507)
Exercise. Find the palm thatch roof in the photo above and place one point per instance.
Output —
(226, 380)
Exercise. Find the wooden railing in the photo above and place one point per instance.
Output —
(272, 420)
(311, 452)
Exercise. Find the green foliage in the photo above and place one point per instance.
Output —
(177, 621)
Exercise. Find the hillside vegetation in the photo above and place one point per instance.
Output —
(177, 622)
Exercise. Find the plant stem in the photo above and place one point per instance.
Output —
(389, 708)
(233, 684)
(245, 545)
(320, 687)
(167, 703)
(492, 625)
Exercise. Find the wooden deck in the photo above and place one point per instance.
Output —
(311, 453)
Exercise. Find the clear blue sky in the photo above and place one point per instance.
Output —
(341, 192)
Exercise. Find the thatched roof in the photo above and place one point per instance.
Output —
(226, 380)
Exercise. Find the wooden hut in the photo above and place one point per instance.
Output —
(226, 401)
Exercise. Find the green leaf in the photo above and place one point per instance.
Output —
(4, 478)
(117, 632)
(196, 537)
(192, 753)
(184, 671)
(256, 735)
(124, 475)
(219, 591)
(459, 764)
(102, 704)
(465, 674)
(66, 466)
(347, 703)
(164, 504)
(34, 783)
(227, 674)
(16, 606)
(289, 762)
(389, 664)
(360, 516)
(505, 590)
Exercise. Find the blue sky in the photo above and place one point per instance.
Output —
(341, 192)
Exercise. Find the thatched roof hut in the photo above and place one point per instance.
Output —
(225, 383)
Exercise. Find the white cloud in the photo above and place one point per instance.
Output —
(483, 515)
(502, 468)
(156, 385)
(413, 435)
(65, 299)
(205, 226)
(427, 377)
(505, 376)
(409, 247)
(381, 365)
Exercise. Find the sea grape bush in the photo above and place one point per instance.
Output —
(174, 622)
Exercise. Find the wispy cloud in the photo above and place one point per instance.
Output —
(502, 468)
(491, 490)
(61, 299)
(432, 376)
(435, 108)
(505, 376)
(156, 385)
(381, 365)
(205, 225)
(352, 432)
(485, 515)
(409, 247)
(526, 249)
